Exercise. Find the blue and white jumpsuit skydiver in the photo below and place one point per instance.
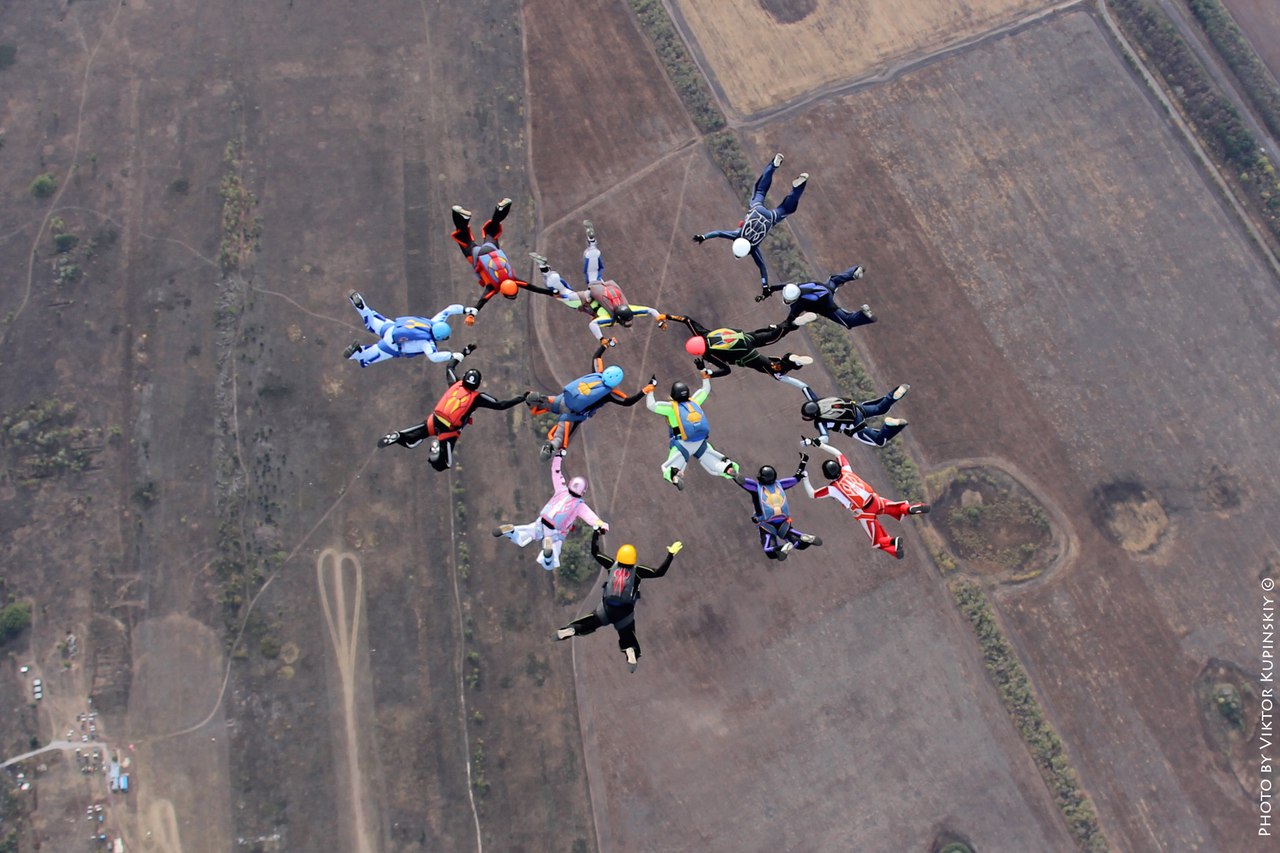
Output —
(603, 298)
(820, 298)
(773, 512)
(403, 337)
(846, 416)
(621, 592)
(557, 518)
(760, 219)
(581, 399)
(690, 433)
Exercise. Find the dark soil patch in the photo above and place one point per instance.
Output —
(992, 525)
(1223, 489)
(788, 11)
(1230, 708)
(1129, 515)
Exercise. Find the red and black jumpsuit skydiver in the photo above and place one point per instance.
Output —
(452, 412)
(621, 592)
(492, 268)
(726, 347)
(581, 399)
(773, 511)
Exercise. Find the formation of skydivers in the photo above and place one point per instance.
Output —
(715, 350)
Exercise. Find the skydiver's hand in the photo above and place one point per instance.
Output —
(804, 459)
(674, 547)
(613, 342)
(700, 364)
(698, 238)
(661, 320)
(562, 452)
(468, 349)
(808, 442)
(470, 311)
(470, 319)
(762, 297)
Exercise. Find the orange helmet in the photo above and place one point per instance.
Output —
(626, 555)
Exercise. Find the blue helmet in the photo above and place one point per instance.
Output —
(441, 331)
(612, 376)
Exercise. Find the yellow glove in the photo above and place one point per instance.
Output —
(674, 547)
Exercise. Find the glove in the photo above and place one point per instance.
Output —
(662, 321)
(653, 380)
(698, 238)
(470, 311)
(562, 452)
(762, 297)
(804, 459)
(468, 349)
(613, 342)
(700, 364)
(470, 319)
(674, 547)
(808, 442)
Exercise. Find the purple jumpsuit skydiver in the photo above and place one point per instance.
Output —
(773, 512)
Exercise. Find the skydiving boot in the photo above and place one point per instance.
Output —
(433, 453)
(501, 209)
(677, 479)
(503, 530)
(351, 350)
(777, 160)
(900, 392)
(783, 550)
(632, 659)
(800, 181)
(865, 311)
(804, 319)
(897, 547)
(917, 509)
(799, 360)
(547, 449)
(807, 539)
(565, 633)
(893, 422)
(461, 213)
(543, 264)
(389, 439)
(591, 230)
(356, 299)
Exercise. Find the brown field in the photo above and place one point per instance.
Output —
(1038, 247)
(1056, 247)
(764, 53)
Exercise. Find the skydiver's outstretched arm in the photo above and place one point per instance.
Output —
(852, 273)
(603, 559)
(758, 257)
(627, 402)
(725, 235)
(536, 288)
(718, 367)
(558, 483)
(484, 401)
(694, 326)
(672, 550)
(597, 360)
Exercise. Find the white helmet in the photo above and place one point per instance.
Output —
(741, 247)
(578, 486)
(790, 293)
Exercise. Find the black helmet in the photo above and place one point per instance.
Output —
(810, 410)
(767, 475)
(831, 469)
(679, 392)
(471, 379)
(624, 315)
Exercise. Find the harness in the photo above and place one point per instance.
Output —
(755, 225)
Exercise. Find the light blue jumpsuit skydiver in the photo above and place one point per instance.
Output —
(760, 219)
(403, 337)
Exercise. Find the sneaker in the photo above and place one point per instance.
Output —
(892, 422)
(799, 360)
(804, 319)
(783, 551)
(677, 480)
(857, 273)
(543, 264)
(800, 181)
(356, 299)
(810, 539)
(351, 350)
(502, 530)
(897, 547)
(917, 509)
(546, 555)
(462, 212)
(591, 230)
(547, 449)
(565, 633)
(389, 439)
(865, 311)
(632, 659)
(900, 392)
(503, 206)
(434, 453)
(777, 160)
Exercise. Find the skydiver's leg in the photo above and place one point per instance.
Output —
(524, 534)
(627, 637)
(444, 459)
(762, 184)
(875, 532)
(771, 334)
(410, 438)
(586, 624)
(592, 263)
(493, 228)
(677, 459)
(462, 231)
(879, 436)
(552, 542)
(894, 509)
(850, 319)
(373, 355)
(792, 201)
(713, 461)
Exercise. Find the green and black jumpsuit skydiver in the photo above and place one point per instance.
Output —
(727, 348)
(621, 592)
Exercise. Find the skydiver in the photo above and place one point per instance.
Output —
(846, 416)
(820, 298)
(621, 592)
(451, 413)
(773, 512)
(556, 520)
(690, 433)
(403, 337)
(759, 219)
(581, 399)
(603, 299)
(724, 347)
(493, 270)
(852, 492)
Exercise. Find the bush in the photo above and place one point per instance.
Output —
(14, 619)
(44, 186)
